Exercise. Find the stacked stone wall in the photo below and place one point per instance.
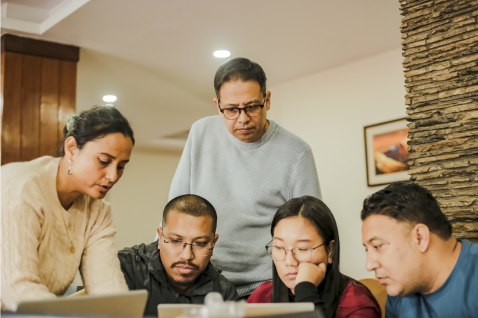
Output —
(440, 47)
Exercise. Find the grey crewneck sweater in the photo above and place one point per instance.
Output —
(246, 183)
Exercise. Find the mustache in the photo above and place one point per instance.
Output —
(190, 264)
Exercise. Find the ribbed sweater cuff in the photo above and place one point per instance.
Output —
(306, 292)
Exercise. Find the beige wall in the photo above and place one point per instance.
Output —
(139, 198)
(154, 106)
(329, 110)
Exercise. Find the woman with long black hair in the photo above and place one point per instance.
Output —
(305, 250)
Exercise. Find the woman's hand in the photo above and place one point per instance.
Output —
(309, 272)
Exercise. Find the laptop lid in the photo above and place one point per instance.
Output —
(252, 310)
(129, 304)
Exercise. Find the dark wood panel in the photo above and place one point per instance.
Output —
(67, 105)
(49, 107)
(31, 99)
(12, 98)
(18, 44)
(2, 71)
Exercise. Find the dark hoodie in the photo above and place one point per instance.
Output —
(142, 269)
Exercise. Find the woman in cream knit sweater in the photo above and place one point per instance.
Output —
(53, 218)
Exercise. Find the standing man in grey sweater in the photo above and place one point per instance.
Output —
(246, 166)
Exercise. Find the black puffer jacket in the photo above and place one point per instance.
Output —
(142, 269)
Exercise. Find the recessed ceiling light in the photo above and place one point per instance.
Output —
(222, 53)
(109, 98)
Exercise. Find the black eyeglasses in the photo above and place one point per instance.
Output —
(232, 113)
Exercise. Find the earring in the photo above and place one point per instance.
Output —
(70, 171)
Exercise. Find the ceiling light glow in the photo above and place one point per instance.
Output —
(222, 53)
(109, 98)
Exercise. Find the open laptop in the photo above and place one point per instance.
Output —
(252, 310)
(129, 304)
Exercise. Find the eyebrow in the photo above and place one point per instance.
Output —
(112, 157)
(305, 240)
(248, 103)
(373, 239)
(196, 238)
(252, 102)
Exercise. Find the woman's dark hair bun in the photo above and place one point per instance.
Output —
(96, 123)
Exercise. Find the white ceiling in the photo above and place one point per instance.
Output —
(36, 17)
(175, 39)
(289, 38)
(42, 4)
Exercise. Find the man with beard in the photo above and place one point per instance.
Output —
(176, 268)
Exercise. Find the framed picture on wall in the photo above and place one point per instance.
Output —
(386, 152)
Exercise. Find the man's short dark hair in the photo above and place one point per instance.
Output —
(191, 204)
(241, 69)
(408, 202)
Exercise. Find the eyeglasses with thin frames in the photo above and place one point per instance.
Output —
(198, 249)
(301, 254)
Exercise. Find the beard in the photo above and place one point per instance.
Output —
(187, 279)
(184, 283)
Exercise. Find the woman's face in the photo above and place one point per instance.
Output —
(99, 164)
(297, 232)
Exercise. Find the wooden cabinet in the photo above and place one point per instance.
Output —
(39, 95)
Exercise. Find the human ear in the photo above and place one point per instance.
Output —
(421, 235)
(268, 101)
(214, 242)
(159, 230)
(71, 147)
(216, 102)
(331, 250)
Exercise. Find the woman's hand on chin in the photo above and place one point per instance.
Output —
(309, 272)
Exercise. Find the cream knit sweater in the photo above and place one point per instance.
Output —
(36, 261)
